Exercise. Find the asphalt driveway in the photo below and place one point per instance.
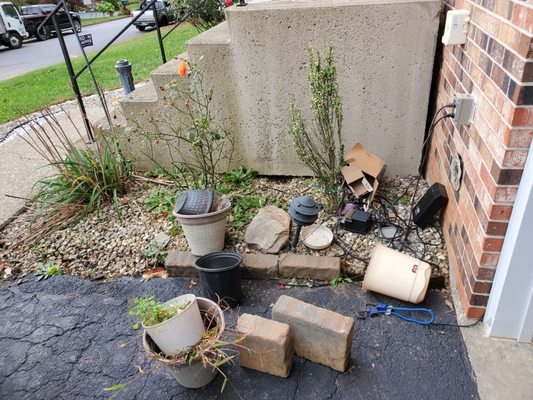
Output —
(68, 338)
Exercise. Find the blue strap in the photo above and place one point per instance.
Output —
(381, 308)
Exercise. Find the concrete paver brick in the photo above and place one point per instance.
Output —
(180, 263)
(259, 265)
(268, 345)
(306, 266)
(320, 335)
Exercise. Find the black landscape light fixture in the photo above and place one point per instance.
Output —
(303, 212)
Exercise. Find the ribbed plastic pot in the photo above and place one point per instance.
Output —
(220, 276)
(194, 375)
(180, 332)
(205, 232)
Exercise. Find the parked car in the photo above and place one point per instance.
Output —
(166, 14)
(32, 16)
(12, 31)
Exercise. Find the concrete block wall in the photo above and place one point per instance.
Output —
(495, 65)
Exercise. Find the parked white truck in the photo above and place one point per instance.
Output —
(12, 31)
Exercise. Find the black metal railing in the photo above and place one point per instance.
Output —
(75, 75)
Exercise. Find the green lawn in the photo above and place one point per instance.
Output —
(51, 85)
(93, 21)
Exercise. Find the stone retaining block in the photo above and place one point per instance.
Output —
(306, 266)
(320, 335)
(267, 347)
(180, 263)
(259, 265)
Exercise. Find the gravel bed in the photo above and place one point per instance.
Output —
(104, 245)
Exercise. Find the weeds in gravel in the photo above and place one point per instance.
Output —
(340, 280)
(322, 149)
(48, 270)
(244, 208)
(161, 202)
(155, 254)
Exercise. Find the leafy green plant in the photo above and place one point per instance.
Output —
(106, 8)
(160, 202)
(321, 149)
(175, 230)
(239, 177)
(244, 209)
(155, 254)
(149, 312)
(85, 176)
(340, 280)
(48, 269)
(205, 13)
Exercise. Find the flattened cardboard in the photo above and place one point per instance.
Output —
(362, 171)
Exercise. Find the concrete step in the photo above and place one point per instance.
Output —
(140, 101)
(166, 74)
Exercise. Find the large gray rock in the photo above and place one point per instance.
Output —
(269, 230)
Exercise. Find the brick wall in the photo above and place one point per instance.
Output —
(496, 65)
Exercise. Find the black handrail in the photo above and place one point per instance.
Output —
(74, 76)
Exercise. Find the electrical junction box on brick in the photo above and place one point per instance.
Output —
(464, 109)
(456, 27)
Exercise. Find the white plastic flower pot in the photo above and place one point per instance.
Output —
(177, 334)
(194, 375)
(205, 232)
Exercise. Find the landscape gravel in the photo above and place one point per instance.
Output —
(104, 245)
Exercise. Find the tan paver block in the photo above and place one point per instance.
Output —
(320, 335)
(268, 345)
(180, 263)
(259, 265)
(305, 266)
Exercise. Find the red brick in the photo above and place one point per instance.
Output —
(474, 312)
(522, 117)
(500, 212)
(515, 158)
(497, 228)
(489, 260)
(518, 137)
(514, 39)
(504, 8)
(506, 194)
(523, 17)
(492, 244)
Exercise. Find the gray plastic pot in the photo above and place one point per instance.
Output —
(193, 375)
(205, 232)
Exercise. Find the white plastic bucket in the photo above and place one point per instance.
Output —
(180, 332)
(397, 275)
(195, 374)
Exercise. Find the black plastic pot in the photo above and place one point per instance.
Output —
(220, 276)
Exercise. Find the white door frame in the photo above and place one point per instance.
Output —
(509, 311)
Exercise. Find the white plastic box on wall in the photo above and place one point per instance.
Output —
(456, 27)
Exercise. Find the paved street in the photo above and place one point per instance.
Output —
(68, 338)
(34, 55)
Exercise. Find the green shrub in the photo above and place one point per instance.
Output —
(106, 8)
(321, 149)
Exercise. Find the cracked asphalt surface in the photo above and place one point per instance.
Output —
(68, 338)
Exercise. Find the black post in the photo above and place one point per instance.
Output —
(159, 39)
(296, 238)
(73, 80)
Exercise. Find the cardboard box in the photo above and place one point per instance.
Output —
(362, 171)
